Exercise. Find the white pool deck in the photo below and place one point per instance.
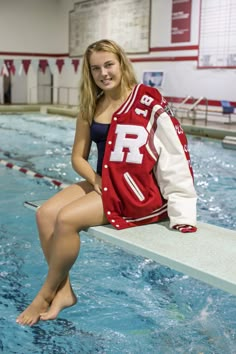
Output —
(208, 255)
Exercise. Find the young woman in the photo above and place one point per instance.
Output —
(143, 172)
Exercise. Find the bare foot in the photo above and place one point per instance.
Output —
(65, 297)
(31, 314)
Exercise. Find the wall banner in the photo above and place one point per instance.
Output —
(181, 21)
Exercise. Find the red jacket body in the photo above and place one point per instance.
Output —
(147, 174)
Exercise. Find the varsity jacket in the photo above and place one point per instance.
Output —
(147, 174)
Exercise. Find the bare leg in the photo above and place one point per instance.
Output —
(46, 220)
(81, 213)
(47, 214)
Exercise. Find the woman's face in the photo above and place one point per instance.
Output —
(105, 70)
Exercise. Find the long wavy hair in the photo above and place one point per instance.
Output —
(89, 92)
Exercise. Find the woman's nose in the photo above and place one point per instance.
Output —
(103, 71)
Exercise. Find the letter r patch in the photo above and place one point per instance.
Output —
(133, 144)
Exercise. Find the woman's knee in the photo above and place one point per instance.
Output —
(46, 214)
(65, 222)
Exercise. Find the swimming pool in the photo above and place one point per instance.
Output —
(127, 304)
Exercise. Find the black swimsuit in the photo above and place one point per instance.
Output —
(99, 132)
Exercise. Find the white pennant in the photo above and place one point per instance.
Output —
(67, 62)
(20, 69)
(5, 70)
(18, 65)
(52, 65)
(35, 64)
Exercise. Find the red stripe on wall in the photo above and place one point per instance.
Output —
(135, 60)
(174, 48)
(56, 55)
(182, 58)
(154, 49)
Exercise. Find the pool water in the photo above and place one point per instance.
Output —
(126, 304)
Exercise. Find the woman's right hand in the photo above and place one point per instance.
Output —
(98, 184)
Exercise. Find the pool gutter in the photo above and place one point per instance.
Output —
(209, 132)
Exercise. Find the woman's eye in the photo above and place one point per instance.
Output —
(108, 65)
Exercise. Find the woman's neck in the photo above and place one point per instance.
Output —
(116, 98)
(109, 103)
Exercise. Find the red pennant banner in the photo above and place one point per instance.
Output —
(43, 63)
(26, 64)
(10, 66)
(75, 62)
(60, 63)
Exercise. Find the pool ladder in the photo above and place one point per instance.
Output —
(192, 109)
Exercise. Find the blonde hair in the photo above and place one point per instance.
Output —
(89, 92)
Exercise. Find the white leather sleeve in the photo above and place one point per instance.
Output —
(173, 174)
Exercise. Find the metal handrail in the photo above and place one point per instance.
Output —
(182, 103)
(195, 104)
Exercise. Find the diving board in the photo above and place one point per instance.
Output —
(208, 255)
